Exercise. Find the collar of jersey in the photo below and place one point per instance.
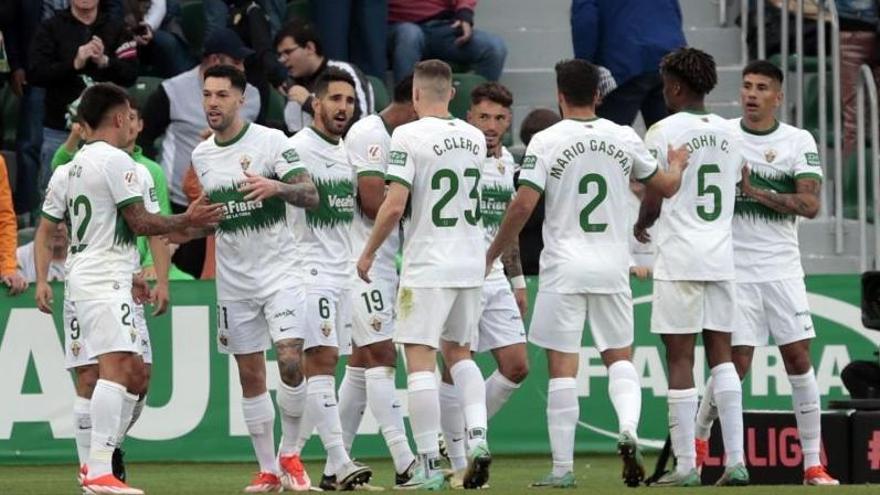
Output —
(234, 140)
(578, 119)
(695, 112)
(329, 139)
(759, 133)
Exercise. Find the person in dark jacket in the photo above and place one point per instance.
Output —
(628, 37)
(70, 51)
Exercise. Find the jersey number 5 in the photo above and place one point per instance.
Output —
(449, 176)
(703, 189)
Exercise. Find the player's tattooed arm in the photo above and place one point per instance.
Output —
(804, 201)
(299, 190)
(649, 211)
(518, 212)
(200, 213)
(510, 260)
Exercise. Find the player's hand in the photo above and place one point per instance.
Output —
(43, 297)
(159, 298)
(677, 156)
(363, 266)
(83, 54)
(745, 184)
(641, 234)
(257, 188)
(522, 301)
(140, 290)
(147, 36)
(201, 213)
(149, 273)
(298, 94)
(467, 31)
(16, 283)
(640, 272)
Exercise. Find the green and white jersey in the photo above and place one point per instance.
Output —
(440, 161)
(151, 203)
(765, 242)
(583, 168)
(367, 144)
(255, 251)
(694, 229)
(323, 238)
(496, 192)
(101, 180)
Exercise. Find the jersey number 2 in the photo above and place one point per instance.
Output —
(601, 192)
(81, 203)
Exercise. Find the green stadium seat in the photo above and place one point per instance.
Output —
(811, 64)
(851, 187)
(26, 235)
(275, 110)
(193, 21)
(298, 9)
(381, 98)
(8, 117)
(463, 84)
(143, 88)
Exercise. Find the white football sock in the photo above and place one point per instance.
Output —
(424, 411)
(322, 406)
(292, 404)
(389, 414)
(471, 390)
(563, 411)
(805, 399)
(452, 424)
(682, 410)
(126, 417)
(498, 391)
(708, 412)
(259, 417)
(108, 399)
(352, 403)
(136, 412)
(626, 395)
(728, 397)
(82, 428)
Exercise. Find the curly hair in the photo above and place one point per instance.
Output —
(694, 67)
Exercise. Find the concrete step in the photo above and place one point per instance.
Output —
(729, 81)
(818, 250)
(722, 42)
(531, 86)
(529, 48)
(699, 12)
(492, 15)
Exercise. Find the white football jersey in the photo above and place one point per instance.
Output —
(496, 191)
(765, 242)
(440, 161)
(583, 168)
(255, 251)
(101, 181)
(367, 144)
(323, 237)
(694, 229)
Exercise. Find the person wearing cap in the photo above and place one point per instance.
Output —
(174, 112)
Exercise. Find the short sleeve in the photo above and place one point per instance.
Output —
(148, 191)
(122, 179)
(286, 162)
(534, 166)
(55, 203)
(367, 153)
(806, 160)
(645, 164)
(656, 144)
(400, 161)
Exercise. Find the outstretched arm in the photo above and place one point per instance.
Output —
(298, 190)
(518, 212)
(199, 214)
(387, 218)
(804, 201)
(648, 214)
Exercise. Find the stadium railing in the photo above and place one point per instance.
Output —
(869, 86)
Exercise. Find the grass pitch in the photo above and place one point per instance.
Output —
(598, 475)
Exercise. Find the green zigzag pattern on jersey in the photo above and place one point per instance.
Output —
(749, 208)
(123, 235)
(336, 205)
(241, 216)
(494, 199)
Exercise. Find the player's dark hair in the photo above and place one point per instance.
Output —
(764, 68)
(330, 75)
(433, 69)
(577, 81)
(302, 33)
(494, 92)
(98, 101)
(536, 121)
(235, 76)
(695, 68)
(403, 90)
(133, 103)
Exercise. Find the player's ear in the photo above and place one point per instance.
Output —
(451, 92)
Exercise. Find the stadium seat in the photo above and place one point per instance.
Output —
(26, 235)
(463, 84)
(811, 64)
(143, 88)
(298, 9)
(851, 187)
(275, 109)
(8, 117)
(381, 98)
(193, 20)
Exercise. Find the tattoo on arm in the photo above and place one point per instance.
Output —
(144, 223)
(300, 191)
(649, 211)
(804, 202)
(510, 259)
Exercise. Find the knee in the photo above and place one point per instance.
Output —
(86, 378)
(515, 371)
(251, 377)
(382, 354)
(496, 48)
(408, 34)
(290, 370)
(322, 360)
(798, 364)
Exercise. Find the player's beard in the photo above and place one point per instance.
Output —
(225, 122)
(331, 125)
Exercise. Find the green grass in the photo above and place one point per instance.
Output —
(510, 475)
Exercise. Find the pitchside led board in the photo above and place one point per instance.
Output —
(193, 410)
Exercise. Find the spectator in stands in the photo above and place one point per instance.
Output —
(629, 37)
(113, 8)
(25, 256)
(9, 275)
(441, 29)
(354, 30)
(531, 241)
(159, 35)
(174, 111)
(859, 24)
(70, 51)
(300, 50)
(219, 13)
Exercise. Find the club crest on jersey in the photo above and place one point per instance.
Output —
(376, 323)
(133, 334)
(326, 328)
(75, 348)
(501, 167)
(770, 155)
(245, 162)
(224, 340)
